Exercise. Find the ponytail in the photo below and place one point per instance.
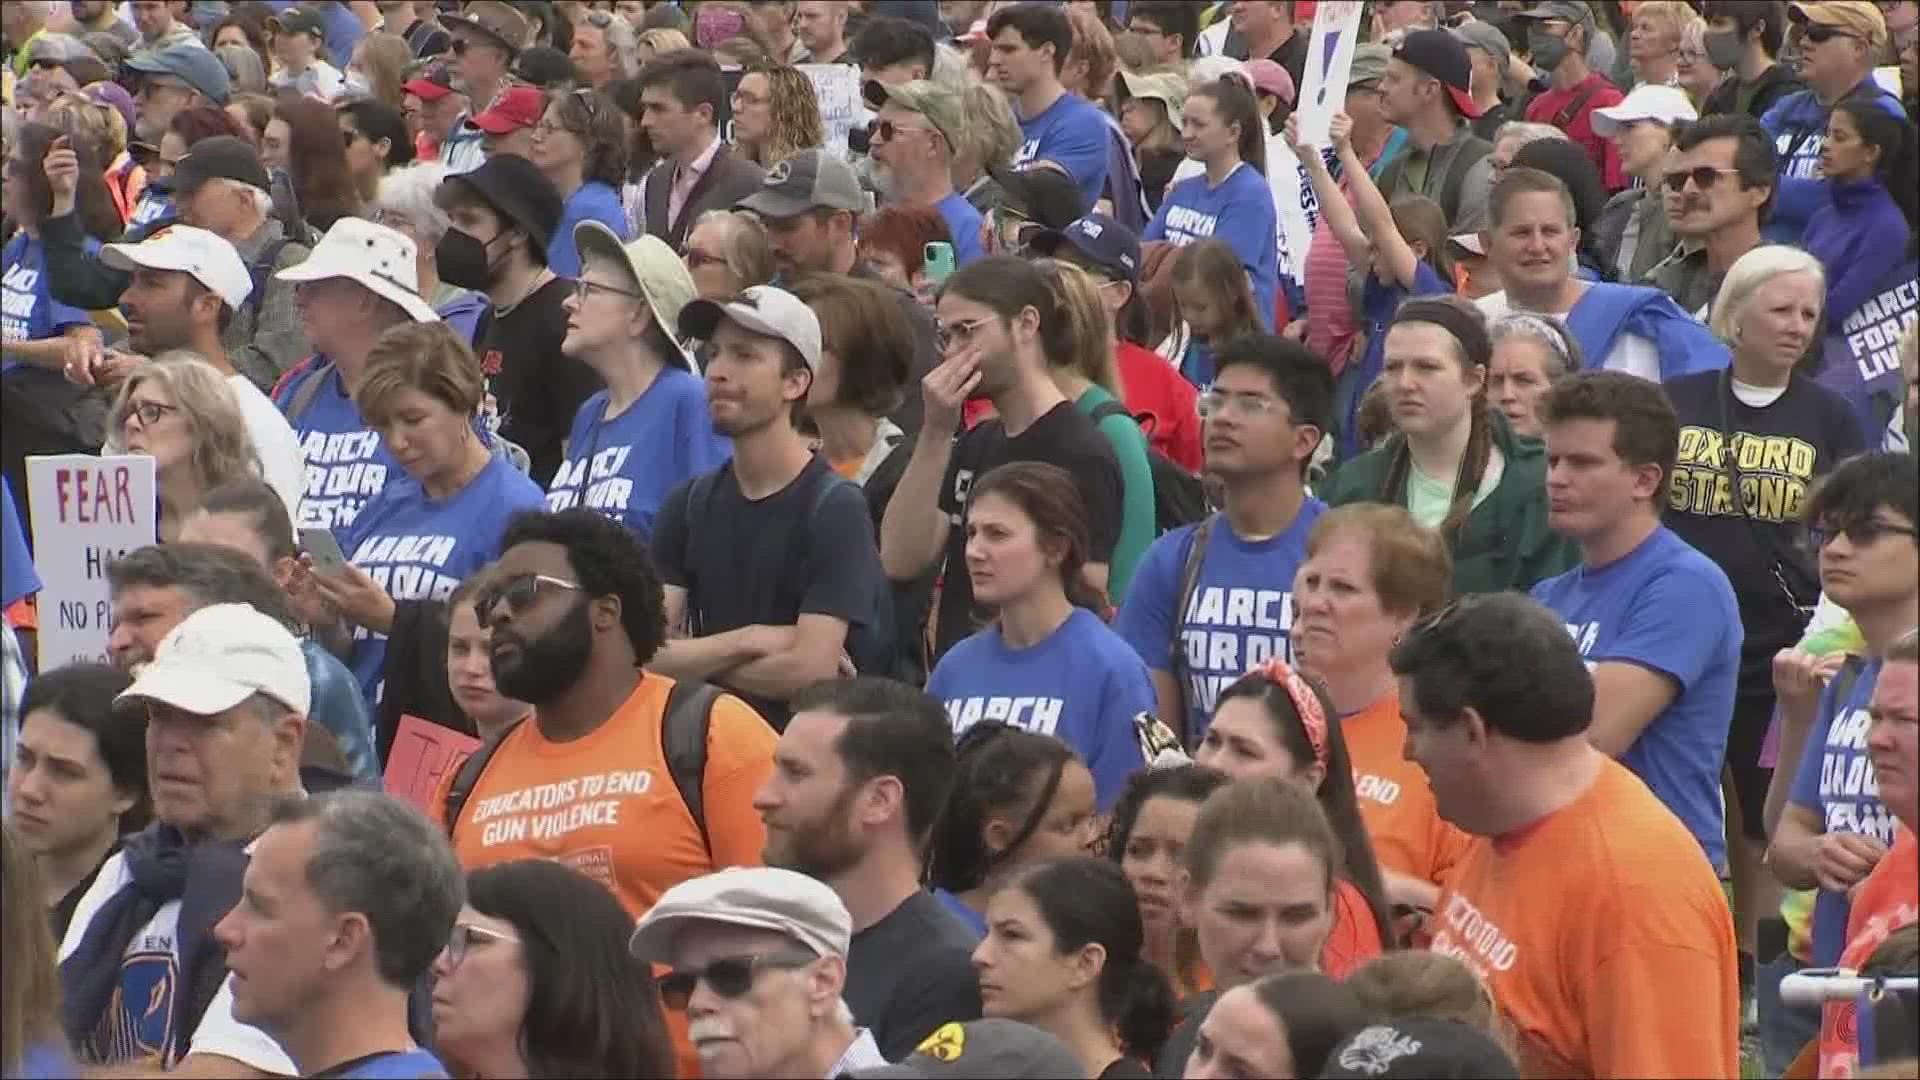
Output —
(1234, 101)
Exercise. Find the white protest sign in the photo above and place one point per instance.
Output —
(841, 110)
(87, 512)
(1336, 32)
(1296, 210)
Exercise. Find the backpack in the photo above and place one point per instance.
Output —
(1179, 498)
(259, 270)
(683, 737)
(1469, 155)
(1190, 568)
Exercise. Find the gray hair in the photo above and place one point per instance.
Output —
(378, 856)
(990, 135)
(748, 255)
(1561, 346)
(261, 202)
(1527, 133)
(1748, 273)
(1905, 649)
(623, 45)
(244, 68)
(206, 574)
(407, 192)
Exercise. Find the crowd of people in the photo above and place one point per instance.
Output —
(977, 538)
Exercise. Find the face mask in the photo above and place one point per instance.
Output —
(1724, 48)
(1547, 49)
(356, 85)
(462, 260)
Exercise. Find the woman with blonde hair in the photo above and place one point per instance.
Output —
(179, 410)
(661, 39)
(377, 68)
(32, 1042)
(775, 114)
(1653, 42)
(987, 142)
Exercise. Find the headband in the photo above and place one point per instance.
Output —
(1466, 324)
(1550, 334)
(1305, 702)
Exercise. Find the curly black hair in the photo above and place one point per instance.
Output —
(998, 767)
(609, 560)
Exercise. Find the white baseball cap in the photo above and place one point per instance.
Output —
(220, 656)
(762, 309)
(207, 256)
(762, 897)
(372, 256)
(1667, 104)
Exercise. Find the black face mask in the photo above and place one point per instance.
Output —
(1724, 48)
(1546, 49)
(462, 260)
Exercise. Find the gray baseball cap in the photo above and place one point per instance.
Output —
(809, 180)
(1488, 39)
(992, 1049)
(194, 65)
(1573, 11)
(1369, 65)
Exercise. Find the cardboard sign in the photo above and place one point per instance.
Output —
(1336, 32)
(87, 512)
(1863, 355)
(841, 109)
(423, 754)
(1296, 209)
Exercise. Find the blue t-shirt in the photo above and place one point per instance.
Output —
(1072, 133)
(663, 439)
(1081, 685)
(1671, 610)
(419, 548)
(17, 575)
(415, 1064)
(27, 306)
(963, 224)
(593, 201)
(1239, 617)
(974, 921)
(347, 463)
(1835, 780)
(1238, 210)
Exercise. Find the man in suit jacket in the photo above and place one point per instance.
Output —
(681, 93)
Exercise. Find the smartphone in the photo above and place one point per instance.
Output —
(327, 557)
(937, 259)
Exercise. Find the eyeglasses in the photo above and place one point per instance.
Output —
(1704, 177)
(43, 63)
(1226, 401)
(149, 412)
(742, 98)
(516, 592)
(1024, 229)
(887, 130)
(729, 976)
(1859, 533)
(695, 258)
(948, 334)
(584, 290)
(463, 938)
(1820, 33)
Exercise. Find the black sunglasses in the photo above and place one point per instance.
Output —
(1703, 177)
(729, 976)
(1859, 533)
(1821, 33)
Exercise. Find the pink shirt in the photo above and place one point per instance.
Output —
(686, 176)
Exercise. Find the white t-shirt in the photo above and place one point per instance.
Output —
(321, 80)
(283, 465)
(1631, 353)
(143, 1014)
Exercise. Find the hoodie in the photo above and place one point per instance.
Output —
(1860, 235)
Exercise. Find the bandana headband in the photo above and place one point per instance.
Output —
(1305, 702)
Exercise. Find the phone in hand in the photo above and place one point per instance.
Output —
(327, 557)
(937, 261)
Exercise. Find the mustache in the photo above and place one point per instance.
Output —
(709, 1028)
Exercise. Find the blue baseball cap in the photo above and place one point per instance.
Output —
(194, 65)
(1100, 240)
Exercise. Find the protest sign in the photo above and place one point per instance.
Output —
(837, 86)
(1336, 32)
(87, 511)
(1296, 210)
(423, 754)
(1863, 351)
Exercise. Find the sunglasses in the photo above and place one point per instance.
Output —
(45, 64)
(1820, 34)
(1704, 177)
(729, 976)
(1858, 533)
(886, 130)
(516, 592)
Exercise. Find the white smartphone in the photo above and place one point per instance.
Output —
(327, 557)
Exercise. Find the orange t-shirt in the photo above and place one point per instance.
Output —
(606, 804)
(1888, 899)
(1605, 939)
(1356, 936)
(1396, 801)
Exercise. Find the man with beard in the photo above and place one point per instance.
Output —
(913, 145)
(596, 780)
(860, 774)
(771, 571)
(99, 16)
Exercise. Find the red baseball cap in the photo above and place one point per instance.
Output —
(519, 107)
(432, 83)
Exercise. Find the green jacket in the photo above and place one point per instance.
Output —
(1505, 543)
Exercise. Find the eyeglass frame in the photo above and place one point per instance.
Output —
(944, 334)
(131, 409)
(463, 933)
(1859, 532)
(1695, 174)
(1250, 406)
(492, 594)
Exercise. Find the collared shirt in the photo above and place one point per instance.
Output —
(862, 1053)
(686, 176)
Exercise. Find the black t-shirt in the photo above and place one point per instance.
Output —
(1784, 448)
(1126, 1069)
(62, 913)
(1179, 1046)
(536, 389)
(1063, 436)
(911, 972)
(807, 549)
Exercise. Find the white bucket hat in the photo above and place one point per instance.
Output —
(372, 256)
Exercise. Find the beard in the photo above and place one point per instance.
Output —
(548, 666)
(823, 849)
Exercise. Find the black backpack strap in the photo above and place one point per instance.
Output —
(683, 738)
(470, 773)
(1471, 153)
(1106, 409)
(306, 390)
(1189, 581)
(261, 270)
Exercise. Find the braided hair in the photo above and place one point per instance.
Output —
(1460, 319)
(998, 770)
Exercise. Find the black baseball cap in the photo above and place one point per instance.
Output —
(1042, 195)
(544, 66)
(1418, 1046)
(1443, 56)
(1099, 240)
(222, 157)
(298, 20)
